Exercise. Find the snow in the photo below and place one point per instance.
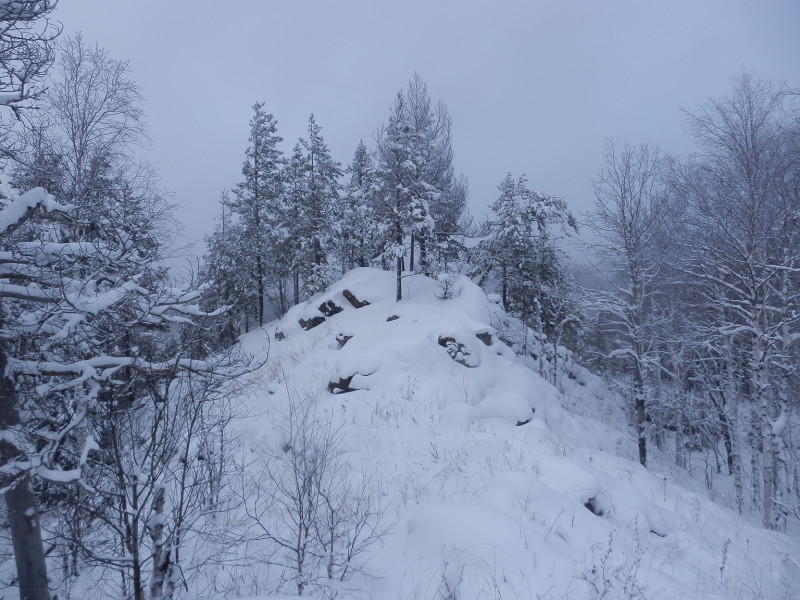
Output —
(478, 506)
(491, 482)
(21, 207)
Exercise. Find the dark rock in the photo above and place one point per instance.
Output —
(279, 335)
(342, 386)
(353, 300)
(329, 308)
(311, 323)
(592, 505)
(456, 350)
(393, 318)
(485, 337)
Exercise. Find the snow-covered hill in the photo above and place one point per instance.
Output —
(488, 482)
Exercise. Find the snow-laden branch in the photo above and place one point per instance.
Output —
(31, 292)
(22, 208)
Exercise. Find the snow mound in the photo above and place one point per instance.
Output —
(489, 486)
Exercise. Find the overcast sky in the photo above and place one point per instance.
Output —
(532, 86)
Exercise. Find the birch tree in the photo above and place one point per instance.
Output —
(742, 207)
(628, 219)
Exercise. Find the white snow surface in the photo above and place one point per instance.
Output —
(477, 506)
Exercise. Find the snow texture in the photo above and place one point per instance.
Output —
(491, 486)
(478, 504)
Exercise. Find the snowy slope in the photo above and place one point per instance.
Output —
(490, 487)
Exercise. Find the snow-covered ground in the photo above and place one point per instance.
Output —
(489, 482)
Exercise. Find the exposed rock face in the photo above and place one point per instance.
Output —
(351, 298)
(485, 337)
(342, 386)
(594, 506)
(457, 351)
(312, 322)
(330, 308)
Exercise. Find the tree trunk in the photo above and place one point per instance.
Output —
(23, 511)
(641, 430)
(26, 534)
(736, 463)
(411, 261)
(260, 300)
(505, 287)
(398, 238)
(161, 550)
(754, 438)
(639, 405)
(424, 265)
(399, 278)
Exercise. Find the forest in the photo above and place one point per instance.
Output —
(118, 371)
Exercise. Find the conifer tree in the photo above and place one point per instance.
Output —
(357, 227)
(290, 247)
(520, 250)
(225, 269)
(416, 176)
(321, 197)
(255, 203)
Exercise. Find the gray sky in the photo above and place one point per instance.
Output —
(532, 86)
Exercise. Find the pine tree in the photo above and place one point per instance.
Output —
(521, 251)
(321, 197)
(357, 227)
(395, 169)
(289, 243)
(225, 271)
(417, 183)
(255, 203)
(445, 195)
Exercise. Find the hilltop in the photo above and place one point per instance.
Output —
(474, 477)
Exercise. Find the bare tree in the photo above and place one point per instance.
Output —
(87, 308)
(742, 205)
(26, 53)
(320, 515)
(26, 50)
(628, 220)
